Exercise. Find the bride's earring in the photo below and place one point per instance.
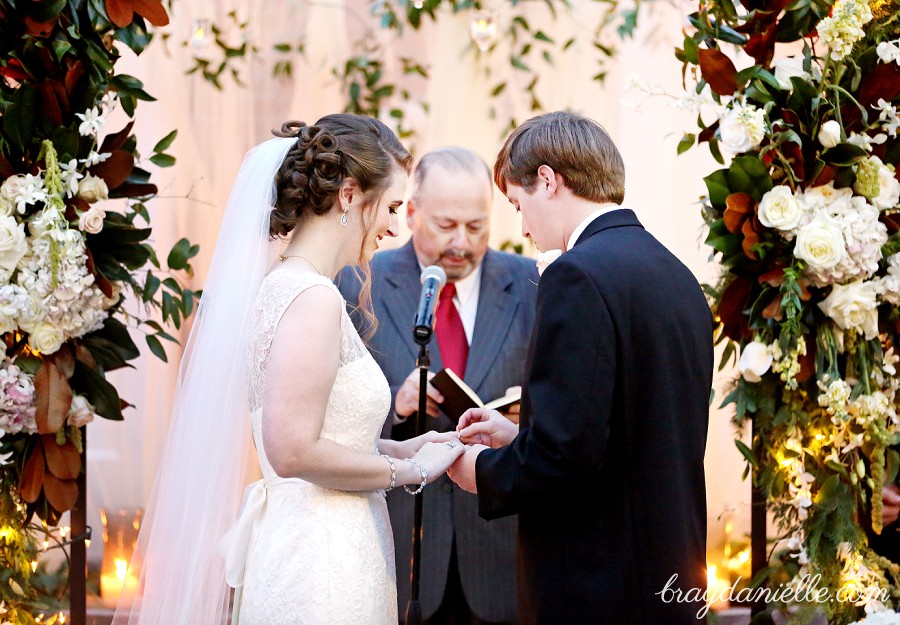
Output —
(344, 216)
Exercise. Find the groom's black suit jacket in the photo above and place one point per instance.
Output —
(606, 473)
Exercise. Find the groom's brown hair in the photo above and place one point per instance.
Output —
(577, 148)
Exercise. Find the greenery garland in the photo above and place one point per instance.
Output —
(67, 260)
(804, 222)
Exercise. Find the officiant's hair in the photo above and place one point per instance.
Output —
(576, 147)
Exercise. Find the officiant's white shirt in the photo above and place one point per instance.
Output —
(604, 208)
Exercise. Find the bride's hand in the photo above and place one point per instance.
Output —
(407, 448)
(436, 458)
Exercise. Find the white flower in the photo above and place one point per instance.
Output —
(779, 209)
(9, 193)
(544, 259)
(30, 191)
(12, 246)
(80, 413)
(787, 68)
(756, 358)
(853, 306)
(887, 113)
(70, 177)
(820, 243)
(91, 220)
(95, 158)
(889, 51)
(50, 217)
(885, 617)
(742, 128)
(93, 188)
(46, 338)
(92, 122)
(830, 134)
(888, 287)
(844, 27)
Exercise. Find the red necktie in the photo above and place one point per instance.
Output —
(451, 335)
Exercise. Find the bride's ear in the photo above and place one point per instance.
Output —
(349, 195)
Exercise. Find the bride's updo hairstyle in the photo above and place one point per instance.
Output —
(335, 148)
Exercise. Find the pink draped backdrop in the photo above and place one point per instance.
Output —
(217, 127)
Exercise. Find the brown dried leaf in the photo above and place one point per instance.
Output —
(63, 461)
(718, 70)
(61, 494)
(738, 207)
(54, 397)
(116, 169)
(32, 476)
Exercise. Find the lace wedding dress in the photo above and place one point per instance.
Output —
(306, 554)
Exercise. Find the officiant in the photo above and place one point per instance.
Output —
(484, 320)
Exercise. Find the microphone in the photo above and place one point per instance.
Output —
(433, 280)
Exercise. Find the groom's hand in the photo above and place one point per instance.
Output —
(479, 426)
(463, 470)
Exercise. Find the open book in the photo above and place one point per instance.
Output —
(459, 397)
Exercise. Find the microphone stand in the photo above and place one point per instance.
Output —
(413, 607)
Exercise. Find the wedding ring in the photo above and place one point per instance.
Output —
(450, 444)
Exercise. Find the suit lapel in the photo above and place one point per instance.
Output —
(496, 308)
(401, 298)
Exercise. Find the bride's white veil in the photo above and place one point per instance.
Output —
(198, 487)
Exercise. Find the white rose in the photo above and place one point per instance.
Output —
(92, 188)
(830, 134)
(787, 68)
(889, 189)
(853, 306)
(820, 243)
(742, 128)
(12, 245)
(780, 209)
(755, 361)
(92, 220)
(544, 259)
(46, 338)
(81, 412)
(9, 192)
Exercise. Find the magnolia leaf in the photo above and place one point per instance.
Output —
(63, 461)
(61, 494)
(32, 476)
(54, 397)
(718, 71)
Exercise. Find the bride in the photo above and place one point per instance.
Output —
(312, 541)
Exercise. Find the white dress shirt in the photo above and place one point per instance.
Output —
(604, 208)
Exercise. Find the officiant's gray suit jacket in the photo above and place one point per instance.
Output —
(497, 355)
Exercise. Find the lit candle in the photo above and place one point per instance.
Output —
(120, 583)
(717, 589)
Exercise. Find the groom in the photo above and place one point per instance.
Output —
(606, 471)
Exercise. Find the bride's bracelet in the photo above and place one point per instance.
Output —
(424, 478)
(393, 471)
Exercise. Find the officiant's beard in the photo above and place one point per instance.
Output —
(457, 264)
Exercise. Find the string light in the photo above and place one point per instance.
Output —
(483, 29)
(200, 33)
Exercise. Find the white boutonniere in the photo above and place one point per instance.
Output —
(545, 258)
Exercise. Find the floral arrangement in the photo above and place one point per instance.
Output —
(74, 240)
(805, 222)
